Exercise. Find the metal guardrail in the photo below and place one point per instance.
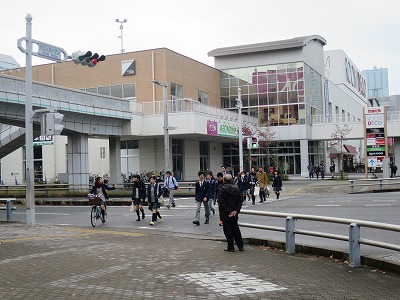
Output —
(379, 183)
(354, 237)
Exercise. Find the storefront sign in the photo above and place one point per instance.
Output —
(375, 142)
(212, 128)
(228, 130)
(355, 78)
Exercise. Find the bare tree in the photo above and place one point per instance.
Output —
(339, 136)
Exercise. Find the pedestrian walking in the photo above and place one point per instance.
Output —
(310, 168)
(262, 180)
(170, 185)
(317, 171)
(229, 205)
(138, 195)
(332, 168)
(277, 184)
(202, 195)
(393, 170)
(253, 183)
(322, 169)
(244, 186)
(213, 190)
(154, 192)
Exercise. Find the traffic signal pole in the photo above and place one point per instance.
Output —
(29, 172)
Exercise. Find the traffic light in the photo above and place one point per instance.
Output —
(254, 143)
(86, 58)
(53, 123)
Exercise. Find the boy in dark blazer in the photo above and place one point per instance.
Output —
(202, 195)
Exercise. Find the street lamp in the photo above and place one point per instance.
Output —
(121, 36)
(239, 105)
(166, 129)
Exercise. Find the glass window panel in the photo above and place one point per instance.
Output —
(225, 83)
(253, 112)
(129, 90)
(272, 88)
(283, 86)
(263, 99)
(234, 82)
(300, 85)
(272, 78)
(300, 75)
(292, 97)
(272, 98)
(92, 90)
(253, 100)
(224, 92)
(282, 77)
(225, 102)
(104, 90)
(116, 91)
(281, 68)
(291, 67)
(224, 75)
(292, 76)
(133, 144)
(282, 98)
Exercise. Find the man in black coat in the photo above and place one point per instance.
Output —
(229, 205)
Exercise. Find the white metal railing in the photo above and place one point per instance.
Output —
(354, 237)
(192, 106)
(379, 183)
(392, 115)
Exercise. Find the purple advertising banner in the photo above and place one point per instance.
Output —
(212, 128)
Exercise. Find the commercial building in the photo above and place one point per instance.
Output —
(377, 82)
(286, 87)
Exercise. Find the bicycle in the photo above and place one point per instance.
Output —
(95, 212)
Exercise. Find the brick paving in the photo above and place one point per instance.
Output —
(51, 262)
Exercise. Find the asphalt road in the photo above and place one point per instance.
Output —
(304, 197)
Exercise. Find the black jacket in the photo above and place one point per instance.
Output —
(104, 187)
(202, 192)
(229, 200)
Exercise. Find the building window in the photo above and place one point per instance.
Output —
(204, 156)
(133, 144)
(118, 91)
(176, 91)
(202, 97)
(177, 158)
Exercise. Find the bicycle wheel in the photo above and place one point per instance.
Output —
(93, 217)
(104, 217)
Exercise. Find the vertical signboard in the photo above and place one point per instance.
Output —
(375, 137)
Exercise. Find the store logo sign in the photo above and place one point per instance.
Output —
(355, 78)
(212, 128)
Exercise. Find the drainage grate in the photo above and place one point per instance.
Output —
(230, 283)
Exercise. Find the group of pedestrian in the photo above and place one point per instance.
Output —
(318, 170)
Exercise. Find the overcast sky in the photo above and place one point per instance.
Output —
(367, 30)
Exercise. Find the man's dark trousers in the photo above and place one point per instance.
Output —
(232, 233)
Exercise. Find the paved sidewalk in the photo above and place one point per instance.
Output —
(50, 262)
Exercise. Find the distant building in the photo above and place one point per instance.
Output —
(8, 62)
(377, 82)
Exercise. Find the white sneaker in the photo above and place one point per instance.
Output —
(151, 223)
(160, 220)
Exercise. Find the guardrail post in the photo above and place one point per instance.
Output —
(351, 186)
(354, 245)
(290, 235)
(9, 211)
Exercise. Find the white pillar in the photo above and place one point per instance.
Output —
(78, 161)
(115, 160)
(304, 157)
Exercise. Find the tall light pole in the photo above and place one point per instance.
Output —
(121, 36)
(29, 173)
(166, 129)
(239, 105)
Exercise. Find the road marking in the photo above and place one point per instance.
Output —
(98, 231)
(377, 205)
(231, 283)
(328, 205)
